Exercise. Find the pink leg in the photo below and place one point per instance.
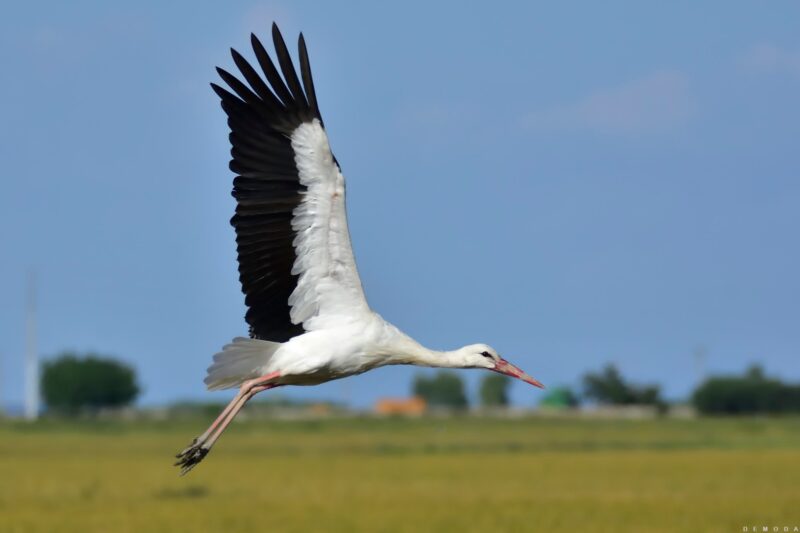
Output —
(244, 390)
(220, 418)
(232, 414)
(225, 412)
(200, 446)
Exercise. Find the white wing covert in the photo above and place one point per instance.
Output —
(329, 287)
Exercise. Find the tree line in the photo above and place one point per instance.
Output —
(750, 393)
(73, 383)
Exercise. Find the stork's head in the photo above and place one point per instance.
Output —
(484, 356)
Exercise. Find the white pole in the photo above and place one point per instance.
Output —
(31, 357)
(700, 353)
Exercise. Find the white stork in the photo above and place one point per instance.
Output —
(309, 320)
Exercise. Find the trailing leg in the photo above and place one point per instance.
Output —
(199, 448)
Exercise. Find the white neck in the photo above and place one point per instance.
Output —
(406, 351)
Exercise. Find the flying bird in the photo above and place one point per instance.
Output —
(309, 320)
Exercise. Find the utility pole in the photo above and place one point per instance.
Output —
(700, 354)
(31, 357)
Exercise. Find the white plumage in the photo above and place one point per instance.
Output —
(329, 289)
(309, 320)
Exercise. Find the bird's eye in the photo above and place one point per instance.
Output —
(486, 354)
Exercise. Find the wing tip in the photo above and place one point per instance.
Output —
(220, 91)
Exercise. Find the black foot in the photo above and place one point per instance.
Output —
(191, 456)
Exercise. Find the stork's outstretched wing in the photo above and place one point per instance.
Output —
(296, 265)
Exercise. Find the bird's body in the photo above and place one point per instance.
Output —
(341, 351)
(331, 353)
(309, 319)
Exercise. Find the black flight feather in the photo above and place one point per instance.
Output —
(262, 115)
(287, 67)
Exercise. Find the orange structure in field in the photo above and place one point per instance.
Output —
(414, 406)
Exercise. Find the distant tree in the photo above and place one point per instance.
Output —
(444, 389)
(494, 390)
(755, 373)
(750, 393)
(560, 398)
(609, 387)
(71, 383)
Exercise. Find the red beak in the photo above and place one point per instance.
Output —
(504, 367)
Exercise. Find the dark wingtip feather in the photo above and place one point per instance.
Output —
(222, 93)
(255, 41)
(238, 87)
(268, 67)
(308, 80)
(277, 36)
(287, 67)
(226, 76)
(237, 58)
(255, 81)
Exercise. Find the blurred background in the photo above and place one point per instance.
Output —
(606, 193)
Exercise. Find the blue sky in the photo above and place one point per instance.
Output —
(573, 184)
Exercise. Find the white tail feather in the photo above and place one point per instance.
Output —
(239, 361)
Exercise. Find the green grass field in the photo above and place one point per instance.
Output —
(405, 475)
